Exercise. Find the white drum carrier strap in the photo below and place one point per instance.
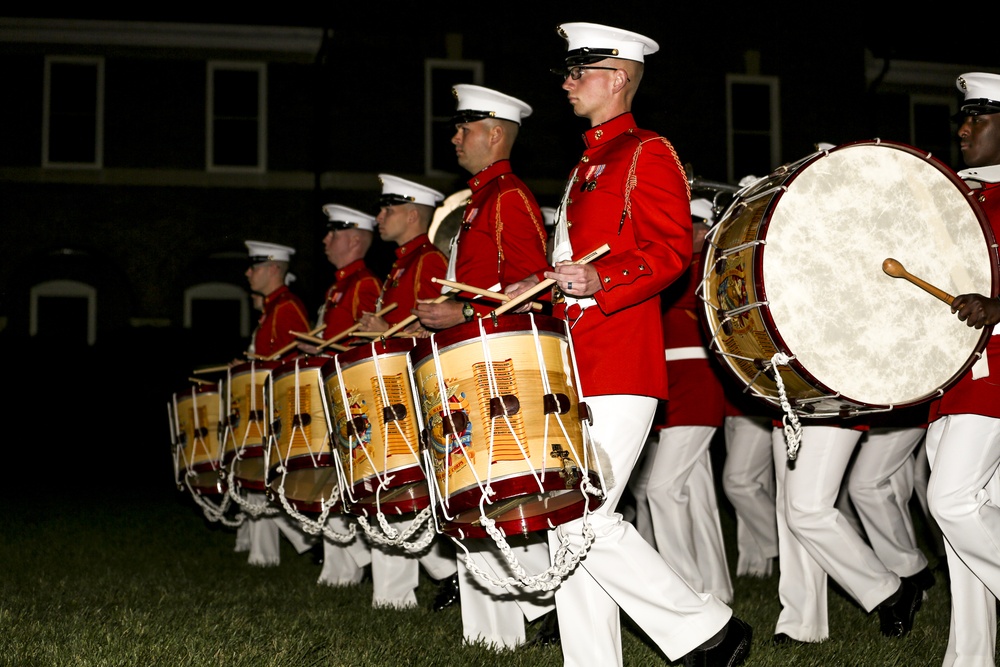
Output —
(682, 353)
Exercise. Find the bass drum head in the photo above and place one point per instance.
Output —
(859, 335)
(447, 219)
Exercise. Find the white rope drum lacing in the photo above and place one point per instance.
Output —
(790, 421)
(564, 560)
(318, 525)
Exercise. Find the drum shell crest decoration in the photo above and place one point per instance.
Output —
(378, 433)
(794, 266)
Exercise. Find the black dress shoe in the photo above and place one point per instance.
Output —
(731, 650)
(447, 593)
(548, 631)
(923, 579)
(896, 614)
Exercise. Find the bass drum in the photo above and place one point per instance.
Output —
(794, 268)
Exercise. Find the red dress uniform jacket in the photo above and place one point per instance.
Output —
(283, 312)
(982, 396)
(417, 262)
(502, 238)
(695, 389)
(354, 291)
(629, 191)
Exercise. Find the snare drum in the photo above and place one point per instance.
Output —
(376, 427)
(247, 426)
(794, 267)
(300, 441)
(198, 450)
(501, 412)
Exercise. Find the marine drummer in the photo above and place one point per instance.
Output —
(963, 438)
(282, 312)
(405, 212)
(502, 238)
(355, 289)
(628, 190)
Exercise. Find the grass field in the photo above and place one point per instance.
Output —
(104, 563)
(94, 577)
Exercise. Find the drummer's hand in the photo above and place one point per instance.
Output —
(306, 348)
(576, 280)
(372, 322)
(514, 289)
(416, 330)
(976, 310)
(439, 315)
(236, 362)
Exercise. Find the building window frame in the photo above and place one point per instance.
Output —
(211, 117)
(217, 291)
(773, 131)
(64, 289)
(49, 116)
(471, 72)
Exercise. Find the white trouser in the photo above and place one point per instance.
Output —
(495, 616)
(684, 509)
(964, 453)
(880, 485)
(637, 484)
(622, 572)
(265, 535)
(396, 571)
(921, 477)
(343, 564)
(815, 540)
(748, 481)
(243, 536)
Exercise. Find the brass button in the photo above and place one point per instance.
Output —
(598, 134)
(642, 267)
(607, 279)
(624, 272)
(585, 159)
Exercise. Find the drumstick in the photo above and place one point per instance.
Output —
(352, 329)
(498, 296)
(548, 282)
(291, 346)
(896, 270)
(409, 320)
(210, 369)
(489, 294)
(307, 337)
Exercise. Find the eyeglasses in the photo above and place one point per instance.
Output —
(576, 72)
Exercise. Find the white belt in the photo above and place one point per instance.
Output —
(679, 353)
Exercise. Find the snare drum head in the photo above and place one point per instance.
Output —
(861, 334)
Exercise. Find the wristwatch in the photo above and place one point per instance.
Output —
(468, 312)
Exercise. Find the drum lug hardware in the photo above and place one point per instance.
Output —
(394, 412)
(720, 266)
(555, 404)
(493, 316)
(584, 413)
(357, 426)
(727, 326)
(302, 419)
(455, 423)
(504, 405)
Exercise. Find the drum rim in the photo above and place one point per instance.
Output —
(363, 352)
(468, 332)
